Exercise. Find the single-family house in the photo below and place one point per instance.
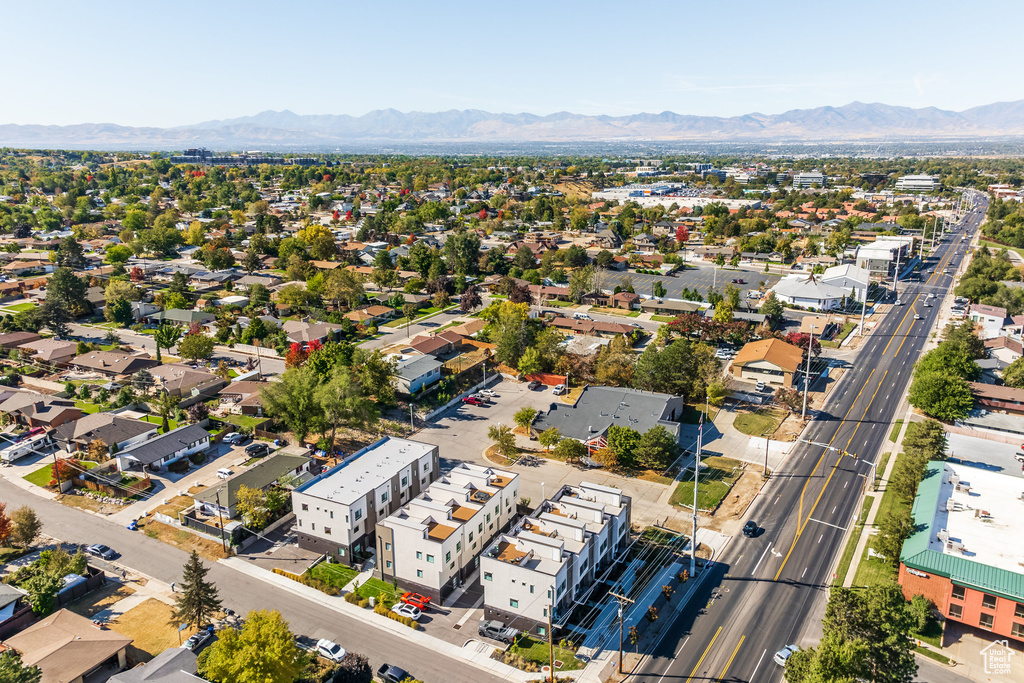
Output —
(417, 372)
(11, 340)
(185, 382)
(179, 316)
(302, 332)
(244, 397)
(113, 363)
(988, 319)
(162, 450)
(33, 409)
(173, 665)
(261, 476)
(112, 429)
(772, 361)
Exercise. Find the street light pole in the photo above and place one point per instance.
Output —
(807, 374)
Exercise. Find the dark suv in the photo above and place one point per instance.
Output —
(750, 529)
(257, 449)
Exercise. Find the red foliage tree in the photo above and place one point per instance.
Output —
(136, 274)
(802, 339)
(315, 345)
(336, 215)
(295, 357)
(682, 234)
(6, 527)
(64, 469)
(482, 215)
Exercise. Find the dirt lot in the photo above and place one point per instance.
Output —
(180, 538)
(100, 599)
(150, 626)
(729, 514)
(83, 503)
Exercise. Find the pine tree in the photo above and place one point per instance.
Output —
(198, 600)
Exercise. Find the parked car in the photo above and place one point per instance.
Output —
(581, 316)
(496, 630)
(198, 640)
(224, 473)
(558, 390)
(235, 439)
(473, 401)
(101, 551)
(760, 386)
(404, 609)
(388, 673)
(421, 602)
(257, 450)
(750, 529)
(784, 654)
(488, 392)
(534, 385)
(328, 649)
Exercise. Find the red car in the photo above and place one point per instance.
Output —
(473, 401)
(416, 600)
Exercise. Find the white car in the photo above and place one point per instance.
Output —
(328, 649)
(235, 438)
(488, 392)
(558, 390)
(404, 609)
(581, 316)
(784, 654)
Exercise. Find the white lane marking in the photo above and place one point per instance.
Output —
(759, 561)
(844, 486)
(677, 654)
(804, 574)
(827, 524)
(753, 676)
(834, 509)
(821, 537)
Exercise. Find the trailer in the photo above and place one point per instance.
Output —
(30, 446)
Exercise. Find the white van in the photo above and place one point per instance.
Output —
(224, 473)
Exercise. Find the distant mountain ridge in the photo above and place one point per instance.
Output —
(856, 121)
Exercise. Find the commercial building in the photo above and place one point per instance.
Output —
(772, 361)
(879, 257)
(809, 291)
(809, 179)
(598, 408)
(854, 279)
(917, 183)
(337, 511)
(432, 544)
(965, 553)
(549, 559)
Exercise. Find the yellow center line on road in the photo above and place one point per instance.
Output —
(729, 663)
(706, 651)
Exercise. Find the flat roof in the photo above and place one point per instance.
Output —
(366, 470)
(439, 532)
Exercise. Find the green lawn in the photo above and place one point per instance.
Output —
(87, 407)
(537, 651)
(996, 247)
(851, 544)
(337, 575)
(559, 304)
(420, 315)
(880, 470)
(244, 420)
(372, 588)
(42, 476)
(932, 634)
(692, 412)
(155, 419)
(759, 423)
(663, 318)
(18, 308)
(717, 475)
(931, 654)
(895, 433)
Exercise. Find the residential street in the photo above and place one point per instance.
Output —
(243, 593)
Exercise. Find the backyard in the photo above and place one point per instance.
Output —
(373, 588)
(717, 475)
(151, 629)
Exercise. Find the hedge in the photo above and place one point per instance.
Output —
(384, 611)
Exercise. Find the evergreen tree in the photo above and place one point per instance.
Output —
(198, 600)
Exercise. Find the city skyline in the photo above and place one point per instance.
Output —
(184, 64)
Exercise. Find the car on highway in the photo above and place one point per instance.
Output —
(235, 439)
(257, 450)
(328, 649)
(750, 529)
(404, 609)
(917, 316)
(417, 600)
(534, 385)
(784, 654)
(473, 401)
(101, 551)
(196, 641)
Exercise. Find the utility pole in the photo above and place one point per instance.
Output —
(807, 375)
(223, 541)
(621, 599)
(896, 276)
(551, 645)
(863, 310)
(696, 481)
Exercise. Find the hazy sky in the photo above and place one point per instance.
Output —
(150, 63)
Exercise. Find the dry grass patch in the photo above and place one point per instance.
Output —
(173, 506)
(83, 503)
(182, 539)
(150, 627)
(98, 600)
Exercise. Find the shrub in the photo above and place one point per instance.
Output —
(352, 598)
(321, 586)
(198, 458)
(381, 609)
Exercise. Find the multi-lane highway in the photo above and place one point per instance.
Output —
(765, 591)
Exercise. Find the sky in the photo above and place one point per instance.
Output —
(176, 63)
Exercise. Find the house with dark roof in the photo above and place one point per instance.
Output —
(417, 372)
(173, 665)
(54, 352)
(598, 408)
(159, 452)
(185, 382)
(113, 363)
(243, 397)
(112, 429)
(11, 340)
(33, 409)
(301, 332)
(179, 316)
(261, 476)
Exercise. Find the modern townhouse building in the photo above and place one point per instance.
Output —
(549, 559)
(337, 511)
(432, 544)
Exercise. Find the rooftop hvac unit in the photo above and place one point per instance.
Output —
(943, 535)
(963, 488)
(950, 505)
(981, 513)
(955, 547)
(954, 479)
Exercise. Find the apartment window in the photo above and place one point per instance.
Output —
(430, 559)
(419, 573)
(986, 620)
(959, 592)
(480, 527)
(341, 552)
(388, 563)
(305, 507)
(405, 482)
(384, 497)
(1019, 612)
(531, 589)
(346, 519)
(488, 517)
(359, 515)
(387, 546)
(488, 576)
(512, 602)
(313, 526)
(471, 535)
(332, 514)
(1017, 631)
(540, 629)
(549, 594)
(497, 509)
(419, 555)
(458, 546)
(956, 611)
(448, 556)
(327, 530)
(988, 602)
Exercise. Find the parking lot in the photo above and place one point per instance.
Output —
(700, 278)
(990, 455)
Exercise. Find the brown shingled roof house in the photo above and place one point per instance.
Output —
(772, 361)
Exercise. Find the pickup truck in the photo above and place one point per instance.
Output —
(388, 673)
(496, 630)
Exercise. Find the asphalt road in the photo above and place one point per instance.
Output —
(242, 592)
(765, 588)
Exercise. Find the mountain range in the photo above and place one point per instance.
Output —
(856, 121)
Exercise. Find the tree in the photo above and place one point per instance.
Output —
(570, 450)
(656, 449)
(251, 504)
(470, 299)
(385, 277)
(343, 403)
(623, 441)
(893, 529)
(530, 362)
(6, 526)
(320, 241)
(925, 441)
(142, 381)
(165, 407)
(27, 526)
(166, 336)
(13, 670)
(69, 254)
(508, 330)
(263, 651)
(197, 601)
(195, 346)
(378, 375)
(353, 668)
(658, 289)
(119, 311)
(580, 282)
(682, 234)
(342, 287)
(942, 396)
(549, 437)
(525, 416)
(252, 261)
(772, 309)
(291, 401)
(504, 439)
